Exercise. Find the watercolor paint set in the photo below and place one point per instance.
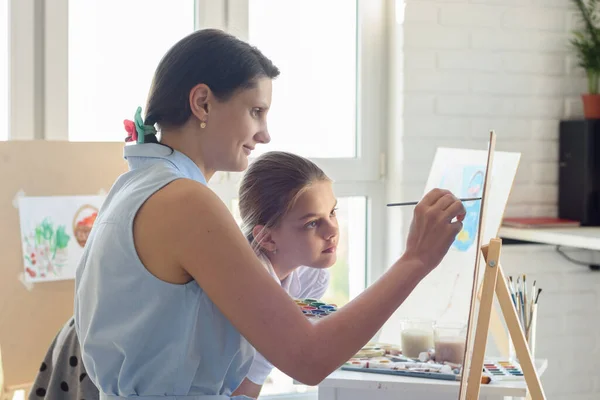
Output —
(503, 370)
(313, 308)
(392, 365)
(388, 360)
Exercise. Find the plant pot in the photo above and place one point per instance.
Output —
(591, 106)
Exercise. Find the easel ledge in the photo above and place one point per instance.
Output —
(494, 282)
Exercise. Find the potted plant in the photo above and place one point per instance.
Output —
(586, 43)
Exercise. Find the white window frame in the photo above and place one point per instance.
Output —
(232, 15)
(364, 174)
(25, 70)
(360, 176)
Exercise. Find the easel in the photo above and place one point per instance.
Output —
(494, 281)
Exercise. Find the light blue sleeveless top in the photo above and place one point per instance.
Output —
(140, 336)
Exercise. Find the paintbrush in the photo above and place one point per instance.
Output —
(533, 303)
(525, 308)
(538, 295)
(414, 203)
(532, 297)
(522, 310)
(521, 302)
(518, 299)
(511, 286)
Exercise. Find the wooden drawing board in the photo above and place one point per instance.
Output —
(31, 317)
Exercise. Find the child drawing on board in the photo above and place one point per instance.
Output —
(288, 212)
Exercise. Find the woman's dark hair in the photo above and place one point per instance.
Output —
(210, 56)
(271, 186)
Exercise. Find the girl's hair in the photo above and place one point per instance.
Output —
(210, 56)
(271, 186)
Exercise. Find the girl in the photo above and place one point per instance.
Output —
(170, 299)
(276, 188)
(288, 215)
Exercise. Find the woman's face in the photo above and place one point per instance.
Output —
(236, 126)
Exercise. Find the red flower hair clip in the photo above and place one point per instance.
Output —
(132, 132)
(136, 129)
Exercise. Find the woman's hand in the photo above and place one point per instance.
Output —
(433, 230)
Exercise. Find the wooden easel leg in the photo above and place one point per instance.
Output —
(483, 319)
(528, 397)
(497, 329)
(518, 337)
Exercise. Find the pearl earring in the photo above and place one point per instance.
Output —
(275, 251)
(202, 125)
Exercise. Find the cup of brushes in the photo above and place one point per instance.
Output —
(525, 301)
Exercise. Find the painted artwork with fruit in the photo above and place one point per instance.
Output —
(54, 231)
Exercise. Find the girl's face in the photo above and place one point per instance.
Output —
(308, 234)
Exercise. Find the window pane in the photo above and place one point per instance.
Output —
(4, 62)
(313, 42)
(114, 48)
(347, 274)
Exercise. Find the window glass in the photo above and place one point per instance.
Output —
(314, 44)
(114, 48)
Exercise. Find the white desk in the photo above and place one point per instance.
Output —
(350, 385)
(585, 237)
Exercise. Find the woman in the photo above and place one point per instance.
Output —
(171, 300)
(277, 189)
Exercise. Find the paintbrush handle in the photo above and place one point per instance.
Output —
(414, 203)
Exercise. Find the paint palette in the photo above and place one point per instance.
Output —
(314, 308)
(393, 365)
(503, 370)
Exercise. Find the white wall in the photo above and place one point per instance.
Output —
(462, 68)
(568, 332)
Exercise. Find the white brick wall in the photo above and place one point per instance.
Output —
(461, 68)
(568, 332)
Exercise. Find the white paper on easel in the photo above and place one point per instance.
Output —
(54, 230)
(444, 295)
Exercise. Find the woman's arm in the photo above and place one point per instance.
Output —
(200, 233)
